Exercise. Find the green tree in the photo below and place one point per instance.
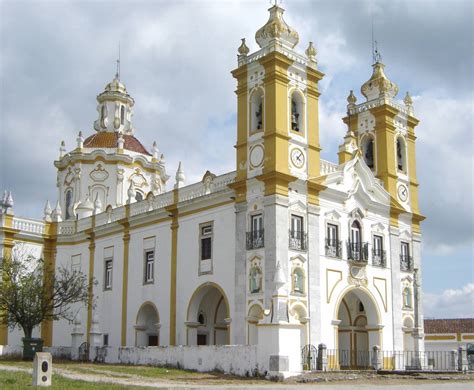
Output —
(30, 294)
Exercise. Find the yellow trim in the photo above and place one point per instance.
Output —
(91, 235)
(126, 253)
(173, 209)
(468, 337)
(313, 77)
(438, 337)
(458, 336)
(329, 293)
(49, 257)
(8, 244)
(383, 296)
(242, 130)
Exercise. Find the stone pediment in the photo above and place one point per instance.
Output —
(297, 205)
(405, 234)
(332, 215)
(378, 227)
(356, 179)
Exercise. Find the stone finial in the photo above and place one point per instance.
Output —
(8, 203)
(2, 201)
(154, 151)
(351, 99)
(62, 149)
(279, 278)
(180, 178)
(379, 86)
(120, 142)
(57, 213)
(408, 100)
(130, 193)
(162, 158)
(80, 140)
(277, 29)
(97, 204)
(311, 52)
(243, 48)
(48, 211)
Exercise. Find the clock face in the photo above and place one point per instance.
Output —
(402, 192)
(297, 158)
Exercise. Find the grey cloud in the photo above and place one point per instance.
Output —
(176, 62)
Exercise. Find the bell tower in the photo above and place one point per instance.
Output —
(277, 156)
(383, 130)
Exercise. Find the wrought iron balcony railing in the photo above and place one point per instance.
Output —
(298, 240)
(333, 248)
(358, 251)
(379, 257)
(406, 263)
(255, 239)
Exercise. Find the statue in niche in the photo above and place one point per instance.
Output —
(259, 115)
(255, 280)
(298, 281)
(294, 117)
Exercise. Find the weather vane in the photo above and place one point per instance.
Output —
(376, 56)
(117, 75)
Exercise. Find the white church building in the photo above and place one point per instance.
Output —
(287, 250)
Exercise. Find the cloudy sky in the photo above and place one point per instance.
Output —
(56, 56)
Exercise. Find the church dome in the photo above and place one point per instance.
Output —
(106, 139)
(115, 90)
(276, 28)
(379, 85)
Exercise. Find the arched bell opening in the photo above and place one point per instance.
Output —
(257, 110)
(368, 151)
(401, 155)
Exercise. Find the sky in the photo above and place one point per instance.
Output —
(176, 58)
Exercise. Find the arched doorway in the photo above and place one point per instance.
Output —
(358, 330)
(147, 328)
(208, 320)
(255, 315)
(300, 313)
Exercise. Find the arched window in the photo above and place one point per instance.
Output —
(122, 115)
(103, 115)
(138, 196)
(296, 113)
(356, 232)
(407, 297)
(256, 110)
(69, 211)
(361, 307)
(298, 280)
(368, 151)
(401, 155)
(255, 280)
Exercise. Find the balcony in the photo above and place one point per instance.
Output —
(358, 251)
(255, 239)
(298, 240)
(333, 248)
(406, 263)
(378, 257)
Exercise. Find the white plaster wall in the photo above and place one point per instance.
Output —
(231, 359)
(223, 258)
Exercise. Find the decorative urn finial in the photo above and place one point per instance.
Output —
(408, 100)
(351, 99)
(379, 85)
(311, 52)
(243, 48)
(277, 29)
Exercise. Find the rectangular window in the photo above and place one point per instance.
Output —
(206, 242)
(149, 266)
(108, 274)
(76, 263)
(257, 223)
(405, 250)
(106, 339)
(296, 224)
(378, 244)
(333, 248)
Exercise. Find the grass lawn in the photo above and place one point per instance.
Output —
(22, 380)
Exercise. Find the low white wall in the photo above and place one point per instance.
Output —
(231, 359)
(63, 353)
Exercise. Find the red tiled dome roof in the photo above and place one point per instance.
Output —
(106, 139)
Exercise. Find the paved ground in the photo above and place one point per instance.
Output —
(324, 381)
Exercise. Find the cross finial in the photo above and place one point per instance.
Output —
(117, 75)
(275, 3)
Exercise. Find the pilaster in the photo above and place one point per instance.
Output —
(314, 276)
